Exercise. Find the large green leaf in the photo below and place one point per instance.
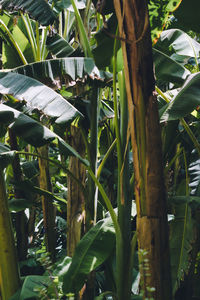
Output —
(38, 9)
(93, 249)
(15, 29)
(181, 238)
(167, 69)
(66, 4)
(31, 286)
(37, 96)
(185, 101)
(34, 133)
(71, 68)
(58, 46)
(105, 41)
(178, 42)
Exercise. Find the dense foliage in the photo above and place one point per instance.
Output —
(66, 166)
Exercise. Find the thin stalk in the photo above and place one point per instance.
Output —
(91, 203)
(185, 217)
(30, 33)
(107, 203)
(116, 118)
(162, 94)
(58, 164)
(60, 24)
(66, 14)
(38, 57)
(172, 161)
(43, 42)
(104, 160)
(83, 36)
(14, 43)
(191, 135)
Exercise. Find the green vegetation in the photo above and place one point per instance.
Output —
(99, 150)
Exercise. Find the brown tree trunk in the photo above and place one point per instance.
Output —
(21, 220)
(49, 210)
(150, 196)
(75, 197)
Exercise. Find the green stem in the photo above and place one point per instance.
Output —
(104, 160)
(58, 164)
(83, 36)
(43, 43)
(9, 273)
(30, 33)
(116, 119)
(14, 43)
(38, 57)
(191, 135)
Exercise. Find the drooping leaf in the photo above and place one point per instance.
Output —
(37, 96)
(72, 69)
(58, 46)
(185, 101)
(167, 69)
(66, 4)
(17, 205)
(181, 238)
(105, 41)
(27, 185)
(31, 283)
(38, 9)
(35, 134)
(6, 156)
(93, 249)
(176, 41)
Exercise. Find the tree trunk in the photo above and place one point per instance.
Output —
(9, 273)
(75, 197)
(49, 210)
(21, 220)
(150, 196)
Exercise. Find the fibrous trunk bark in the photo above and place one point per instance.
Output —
(49, 210)
(75, 197)
(152, 226)
(21, 220)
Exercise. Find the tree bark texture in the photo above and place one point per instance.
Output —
(49, 210)
(21, 220)
(75, 197)
(144, 125)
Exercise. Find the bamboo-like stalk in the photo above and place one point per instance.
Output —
(9, 273)
(152, 227)
(21, 220)
(49, 211)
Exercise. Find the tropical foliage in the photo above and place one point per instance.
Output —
(73, 209)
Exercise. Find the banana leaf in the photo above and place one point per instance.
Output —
(92, 250)
(37, 96)
(38, 9)
(187, 99)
